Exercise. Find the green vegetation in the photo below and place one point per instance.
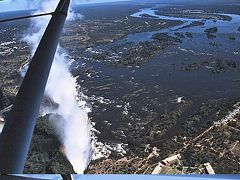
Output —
(99, 32)
(214, 150)
(223, 66)
(134, 54)
(182, 35)
(219, 66)
(189, 34)
(195, 65)
(152, 131)
(186, 13)
(179, 35)
(211, 30)
(4, 102)
(232, 38)
(215, 44)
(193, 24)
(164, 37)
(45, 155)
(210, 36)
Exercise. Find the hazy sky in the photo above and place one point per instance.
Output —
(11, 5)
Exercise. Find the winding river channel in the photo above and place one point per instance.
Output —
(224, 26)
(186, 70)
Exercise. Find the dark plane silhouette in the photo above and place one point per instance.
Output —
(17, 133)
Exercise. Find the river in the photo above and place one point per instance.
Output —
(122, 96)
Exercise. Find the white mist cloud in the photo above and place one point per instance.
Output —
(13, 5)
(72, 122)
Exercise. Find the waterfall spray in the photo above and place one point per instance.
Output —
(61, 88)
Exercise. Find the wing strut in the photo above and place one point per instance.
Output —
(20, 123)
(26, 17)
